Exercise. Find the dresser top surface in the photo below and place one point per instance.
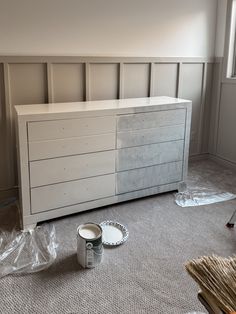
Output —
(85, 106)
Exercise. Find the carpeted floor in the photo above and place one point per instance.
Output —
(146, 274)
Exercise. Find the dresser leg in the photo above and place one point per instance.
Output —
(182, 186)
(29, 227)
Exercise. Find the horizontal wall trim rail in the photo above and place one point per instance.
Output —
(92, 59)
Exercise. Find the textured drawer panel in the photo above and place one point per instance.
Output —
(150, 120)
(59, 129)
(143, 178)
(76, 167)
(73, 192)
(149, 136)
(149, 155)
(71, 146)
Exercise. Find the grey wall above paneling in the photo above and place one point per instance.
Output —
(64, 79)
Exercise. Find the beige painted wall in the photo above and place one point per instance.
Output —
(220, 28)
(108, 27)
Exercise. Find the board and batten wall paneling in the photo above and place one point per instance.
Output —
(104, 78)
(215, 104)
(206, 108)
(136, 80)
(27, 80)
(4, 176)
(68, 82)
(165, 79)
(27, 83)
(226, 144)
(192, 83)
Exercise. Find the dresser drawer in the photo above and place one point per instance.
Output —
(71, 146)
(69, 193)
(149, 155)
(150, 136)
(138, 179)
(150, 119)
(60, 129)
(76, 167)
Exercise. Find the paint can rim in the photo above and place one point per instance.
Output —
(89, 223)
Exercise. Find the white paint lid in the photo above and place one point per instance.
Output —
(113, 233)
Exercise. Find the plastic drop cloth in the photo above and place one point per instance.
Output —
(27, 251)
(201, 192)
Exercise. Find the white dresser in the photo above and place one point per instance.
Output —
(77, 156)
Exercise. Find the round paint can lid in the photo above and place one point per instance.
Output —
(113, 233)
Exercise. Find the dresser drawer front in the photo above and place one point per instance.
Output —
(76, 167)
(150, 136)
(71, 146)
(138, 179)
(150, 119)
(69, 193)
(149, 155)
(59, 129)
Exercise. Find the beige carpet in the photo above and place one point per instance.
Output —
(146, 274)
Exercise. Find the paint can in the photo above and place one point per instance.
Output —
(89, 245)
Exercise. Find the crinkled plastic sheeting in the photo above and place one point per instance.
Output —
(201, 190)
(201, 197)
(27, 251)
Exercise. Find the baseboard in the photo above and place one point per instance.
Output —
(4, 194)
(199, 157)
(223, 161)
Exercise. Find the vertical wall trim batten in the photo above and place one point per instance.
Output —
(151, 82)
(218, 99)
(87, 82)
(50, 83)
(9, 124)
(202, 106)
(121, 80)
(179, 80)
